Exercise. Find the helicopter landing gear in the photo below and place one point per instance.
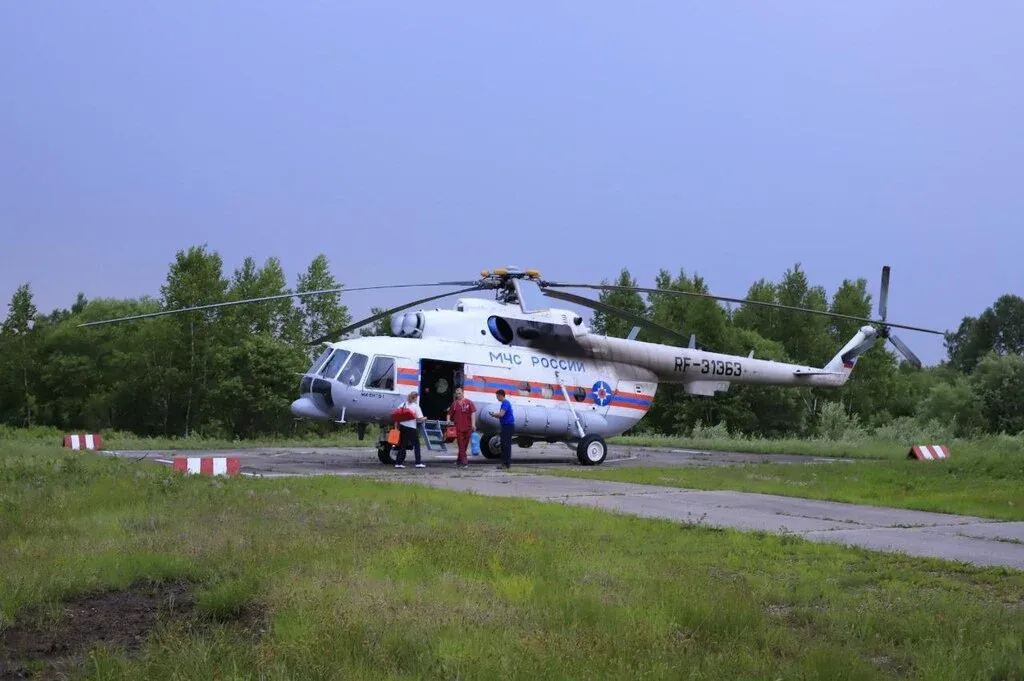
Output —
(491, 448)
(591, 450)
(384, 454)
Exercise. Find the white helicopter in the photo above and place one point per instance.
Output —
(565, 383)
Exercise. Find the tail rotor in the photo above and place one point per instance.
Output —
(883, 329)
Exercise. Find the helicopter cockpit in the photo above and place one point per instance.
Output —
(333, 365)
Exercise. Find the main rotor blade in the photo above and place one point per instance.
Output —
(609, 309)
(210, 306)
(363, 322)
(743, 301)
(906, 351)
(883, 296)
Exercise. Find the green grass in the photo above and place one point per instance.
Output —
(362, 579)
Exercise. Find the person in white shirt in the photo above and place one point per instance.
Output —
(410, 434)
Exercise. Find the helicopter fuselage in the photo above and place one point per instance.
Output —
(564, 383)
(548, 392)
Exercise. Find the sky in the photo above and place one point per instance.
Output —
(417, 142)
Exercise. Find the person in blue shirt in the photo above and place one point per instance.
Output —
(508, 423)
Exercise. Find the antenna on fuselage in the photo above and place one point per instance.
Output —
(633, 333)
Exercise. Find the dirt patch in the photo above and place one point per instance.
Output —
(38, 647)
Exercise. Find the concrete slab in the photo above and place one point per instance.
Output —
(929, 543)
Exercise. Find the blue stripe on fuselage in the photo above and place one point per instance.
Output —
(489, 384)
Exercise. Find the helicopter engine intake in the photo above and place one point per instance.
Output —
(408, 324)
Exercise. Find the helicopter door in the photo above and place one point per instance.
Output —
(438, 381)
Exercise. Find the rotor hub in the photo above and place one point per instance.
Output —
(501, 280)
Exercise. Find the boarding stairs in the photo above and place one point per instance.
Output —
(433, 433)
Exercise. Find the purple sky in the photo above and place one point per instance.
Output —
(422, 141)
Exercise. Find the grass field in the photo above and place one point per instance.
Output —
(347, 578)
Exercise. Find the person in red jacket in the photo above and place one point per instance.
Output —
(462, 413)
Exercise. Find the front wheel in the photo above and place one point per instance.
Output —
(384, 454)
(591, 450)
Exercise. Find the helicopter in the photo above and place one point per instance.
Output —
(566, 384)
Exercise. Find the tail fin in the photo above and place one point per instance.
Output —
(846, 359)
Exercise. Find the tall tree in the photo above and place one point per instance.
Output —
(278, 318)
(195, 278)
(759, 318)
(19, 350)
(999, 329)
(320, 313)
(258, 383)
(851, 299)
(703, 317)
(630, 301)
(805, 336)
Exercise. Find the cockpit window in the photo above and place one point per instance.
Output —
(353, 370)
(334, 364)
(319, 362)
(382, 374)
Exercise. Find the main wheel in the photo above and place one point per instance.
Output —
(591, 450)
(491, 447)
(384, 454)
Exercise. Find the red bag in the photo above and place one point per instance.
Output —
(450, 434)
(402, 414)
(394, 437)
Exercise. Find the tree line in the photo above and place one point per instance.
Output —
(233, 371)
(977, 389)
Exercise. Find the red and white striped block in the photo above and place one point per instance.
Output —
(205, 465)
(87, 441)
(928, 452)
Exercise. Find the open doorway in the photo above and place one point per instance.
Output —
(438, 381)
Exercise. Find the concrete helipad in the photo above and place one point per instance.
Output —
(361, 460)
(972, 540)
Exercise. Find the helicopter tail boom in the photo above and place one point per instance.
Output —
(845, 360)
(701, 369)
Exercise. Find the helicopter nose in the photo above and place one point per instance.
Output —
(307, 408)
